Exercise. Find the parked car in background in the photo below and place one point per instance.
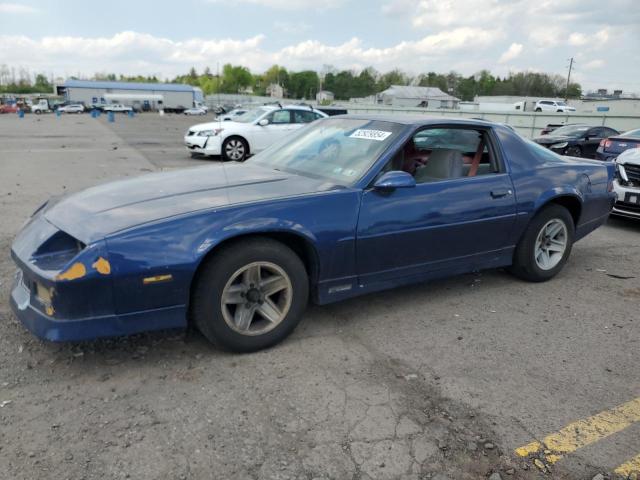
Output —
(576, 140)
(236, 112)
(333, 111)
(551, 127)
(249, 133)
(627, 184)
(117, 108)
(330, 213)
(9, 108)
(196, 111)
(42, 106)
(72, 108)
(553, 106)
(611, 147)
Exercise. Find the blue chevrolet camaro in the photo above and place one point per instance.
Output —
(346, 206)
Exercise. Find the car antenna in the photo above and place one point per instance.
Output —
(279, 104)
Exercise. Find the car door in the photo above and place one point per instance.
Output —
(450, 224)
(280, 125)
(591, 141)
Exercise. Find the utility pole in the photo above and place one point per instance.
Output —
(566, 91)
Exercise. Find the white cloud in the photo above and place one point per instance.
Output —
(447, 13)
(285, 4)
(596, 40)
(511, 53)
(132, 52)
(17, 8)
(593, 64)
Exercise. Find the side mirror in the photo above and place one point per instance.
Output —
(264, 122)
(395, 179)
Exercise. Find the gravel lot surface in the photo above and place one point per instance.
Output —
(439, 380)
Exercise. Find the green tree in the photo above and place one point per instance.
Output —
(303, 84)
(235, 78)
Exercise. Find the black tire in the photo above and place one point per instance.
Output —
(538, 109)
(524, 262)
(573, 151)
(241, 142)
(194, 155)
(207, 308)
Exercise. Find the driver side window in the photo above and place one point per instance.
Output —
(436, 154)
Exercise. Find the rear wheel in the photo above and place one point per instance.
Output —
(545, 246)
(250, 295)
(235, 148)
(538, 109)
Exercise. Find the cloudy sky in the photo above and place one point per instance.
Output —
(71, 37)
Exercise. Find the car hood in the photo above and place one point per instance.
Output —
(217, 124)
(629, 157)
(550, 139)
(97, 212)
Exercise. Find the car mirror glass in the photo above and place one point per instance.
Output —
(264, 122)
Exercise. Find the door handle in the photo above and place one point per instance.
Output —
(500, 193)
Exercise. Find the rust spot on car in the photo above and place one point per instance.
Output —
(102, 266)
(75, 271)
(49, 310)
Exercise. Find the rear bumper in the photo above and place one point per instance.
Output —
(606, 157)
(61, 330)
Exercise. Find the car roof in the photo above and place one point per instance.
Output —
(418, 120)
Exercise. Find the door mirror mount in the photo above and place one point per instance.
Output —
(395, 179)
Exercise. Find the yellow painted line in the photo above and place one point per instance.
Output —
(581, 433)
(627, 468)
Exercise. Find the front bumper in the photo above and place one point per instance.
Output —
(203, 145)
(628, 201)
(53, 329)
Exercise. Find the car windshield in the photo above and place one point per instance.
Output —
(561, 104)
(251, 115)
(632, 133)
(571, 131)
(340, 150)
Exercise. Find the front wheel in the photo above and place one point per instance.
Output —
(250, 295)
(235, 148)
(545, 245)
(538, 109)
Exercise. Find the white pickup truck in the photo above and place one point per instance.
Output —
(117, 108)
(41, 107)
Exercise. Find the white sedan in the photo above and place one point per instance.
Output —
(249, 133)
(73, 108)
(195, 111)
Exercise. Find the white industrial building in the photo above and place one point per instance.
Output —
(324, 96)
(410, 96)
(142, 96)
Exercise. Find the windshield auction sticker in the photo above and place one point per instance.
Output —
(378, 135)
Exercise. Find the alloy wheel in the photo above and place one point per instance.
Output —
(257, 298)
(235, 149)
(551, 244)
